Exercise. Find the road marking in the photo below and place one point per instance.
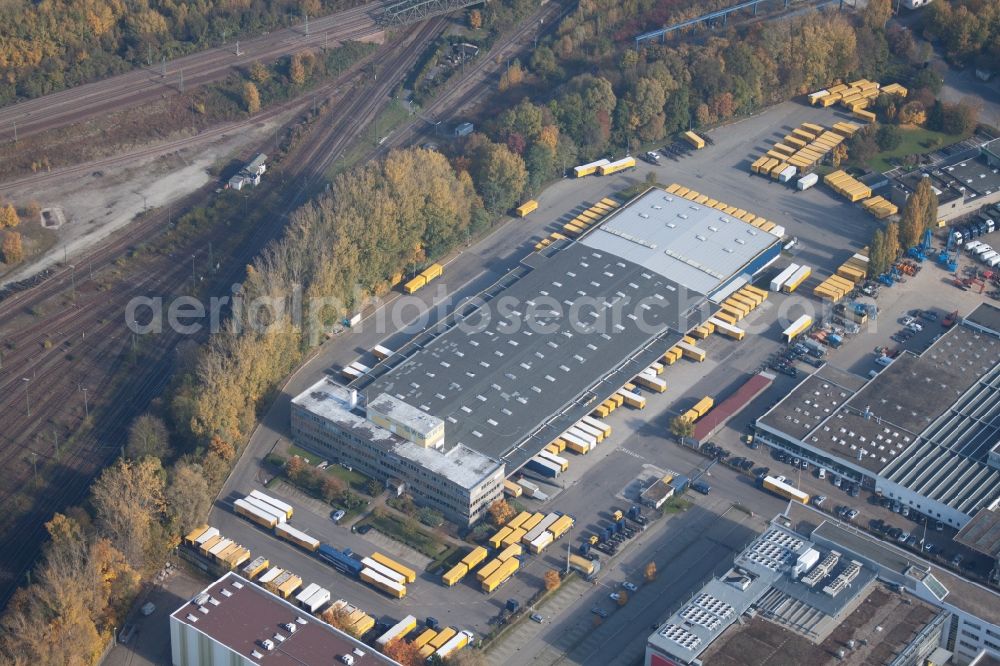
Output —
(631, 453)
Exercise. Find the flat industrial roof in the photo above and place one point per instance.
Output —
(463, 466)
(925, 422)
(982, 533)
(239, 614)
(950, 589)
(986, 316)
(974, 175)
(896, 619)
(539, 348)
(693, 245)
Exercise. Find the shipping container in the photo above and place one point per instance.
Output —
(455, 574)
(542, 526)
(796, 279)
(425, 637)
(513, 550)
(192, 537)
(527, 207)
(307, 591)
(409, 574)
(497, 539)
(614, 167)
(298, 537)
(270, 575)
(703, 405)
(266, 508)
(787, 174)
(443, 637)
(518, 520)
(728, 329)
(220, 546)
(653, 383)
(515, 536)
(254, 514)
(600, 425)
(633, 400)
(692, 352)
(588, 169)
(797, 328)
(380, 582)
(398, 631)
(575, 444)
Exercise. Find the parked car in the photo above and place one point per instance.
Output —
(855, 490)
(600, 612)
(957, 560)
(852, 514)
(535, 617)
(701, 487)
(631, 587)
(614, 596)
(819, 499)
(337, 515)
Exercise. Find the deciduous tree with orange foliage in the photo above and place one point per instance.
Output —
(405, 653)
(500, 512)
(552, 580)
(12, 251)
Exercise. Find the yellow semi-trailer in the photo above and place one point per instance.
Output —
(425, 652)
(518, 520)
(424, 638)
(255, 568)
(596, 433)
(797, 279)
(380, 582)
(561, 526)
(512, 489)
(475, 556)
(432, 272)
(455, 574)
(454, 644)
(616, 166)
(797, 328)
(703, 405)
(581, 564)
(414, 284)
(527, 207)
(532, 522)
(219, 546)
(383, 570)
(745, 300)
(499, 536)
(513, 550)
(191, 537)
(694, 140)
(653, 383)
(286, 587)
(755, 295)
(266, 508)
(515, 536)
(298, 537)
(576, 445)
(283, 507)
(397, 631)
(559, 461)
(671, 188)
(756, 290)
(692, 352)
(443, 637)
(409, 574)
(726, 318)
(501, 575)
(779, 486)
(487, 569)
(600, 425)
(728, 330)
(589, 169)
(268, 576)
(254, 514)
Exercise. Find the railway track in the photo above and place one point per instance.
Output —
(144, 84)
(100, 313)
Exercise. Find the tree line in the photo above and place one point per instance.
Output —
(48, 46)
(968, 30)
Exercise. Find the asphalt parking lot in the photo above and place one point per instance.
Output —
(687, 547)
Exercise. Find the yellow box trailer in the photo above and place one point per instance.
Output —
(487, 569)
(455, 574)
(527, 207)
(414, 284)
(694, 140)
(500, 576)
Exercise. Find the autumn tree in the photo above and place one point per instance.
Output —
(552, 580)
(8, 217)
(892, 247)
(128, 502)
(475, 19)
(929, 205)
(148, 436)
(912, 113)
(877, 13)
(650, 571)
(12, 250)
(251, 97)
(499, 175)
(681, 427)
(501, 512)
(188, 496)
(838, 155)
(878, 261)
(405, 653)
(919, 214)
(296, 70)
(622, 598)
(295, 468)
(259, 73)
(512, 76)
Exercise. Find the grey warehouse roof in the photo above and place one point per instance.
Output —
(694, 245)
(526, 361)
(461, 465)
(926, 422)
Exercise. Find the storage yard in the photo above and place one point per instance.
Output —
(558, 480)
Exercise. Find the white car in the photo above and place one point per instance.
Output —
(907, 320)
(615, 596)
(915, 327)
(631, 587)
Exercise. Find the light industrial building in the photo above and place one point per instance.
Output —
(925, 431)
(233, 622)
(964, 183)
(810, 591)
(473, 398)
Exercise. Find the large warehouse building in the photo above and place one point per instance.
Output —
(810, 591)
(925, 431)
(472, 399)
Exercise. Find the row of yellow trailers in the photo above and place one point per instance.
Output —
(604, 167)
(214, 546)
(737, 307)
(803, 149)
(350, 618)
(580, 223)
(849, 274)
(857, 94)
(880, 207)
(432, 272)
(441, 644)
(705, 200)
(847, 186)
(833, 289)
